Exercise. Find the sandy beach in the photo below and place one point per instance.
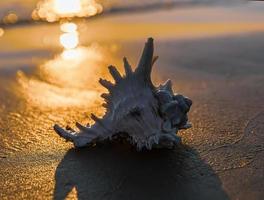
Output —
(216, 61)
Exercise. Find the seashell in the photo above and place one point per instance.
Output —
(137, 111)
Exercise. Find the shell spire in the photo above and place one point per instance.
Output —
(146, 116)
(128, 69)
(146, 62)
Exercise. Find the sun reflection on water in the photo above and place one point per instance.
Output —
(70, 38)
(43, 94)
(68, 27)
(71, 77)
(64, 7)
(53, 10)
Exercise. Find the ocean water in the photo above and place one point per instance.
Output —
(23, 8)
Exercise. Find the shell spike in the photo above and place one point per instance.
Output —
(106, 96)
(63, 133)
(81, 127)
(145, 64)
(95, 118)
(115, 74)
(105, 105)
(167, 86)
(107, 84)
(127, 67)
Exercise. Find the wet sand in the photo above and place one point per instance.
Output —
(221, 156)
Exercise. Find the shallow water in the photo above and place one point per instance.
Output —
(24, 8)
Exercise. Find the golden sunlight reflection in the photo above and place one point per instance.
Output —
(10, 18)
(64, 7)
(68, 27)
(72, 54)
(69, 40)
(53, 10)
(70, 79)
(1, 32)
(44, 94)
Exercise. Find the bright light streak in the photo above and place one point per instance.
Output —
(53, 10)
(69, 40)
(67, 6)
(68, 27)
(66, 80)
(1, 32)
(71, 54)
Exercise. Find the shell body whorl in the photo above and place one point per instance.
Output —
(148, 116)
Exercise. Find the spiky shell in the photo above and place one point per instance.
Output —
(145, 115)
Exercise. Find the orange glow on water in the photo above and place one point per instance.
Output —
(71, 54)
(69, 40)
(68, 27)
(11, 18)
(70, 79)
(53, 10)
(1, 32)
(67, 7)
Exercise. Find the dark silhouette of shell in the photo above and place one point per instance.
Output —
(145, 115)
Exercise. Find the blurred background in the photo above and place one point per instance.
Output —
(53, 52)
(58, 47)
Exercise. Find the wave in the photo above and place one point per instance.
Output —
(23, 10)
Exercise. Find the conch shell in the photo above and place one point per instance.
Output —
(144, 115)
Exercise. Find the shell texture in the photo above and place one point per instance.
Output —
(144, 115)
